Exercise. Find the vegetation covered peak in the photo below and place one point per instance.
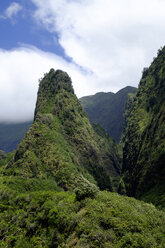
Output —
(49, 190)
(52, 83)
(61, 144)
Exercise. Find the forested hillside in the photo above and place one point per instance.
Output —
(144, 149)
(50, 188)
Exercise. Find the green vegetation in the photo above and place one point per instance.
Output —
(61, 144)
(5, 157)
(107, 109)
(144, 149)
(50, 186)
(128, 107)
(101, 108)
(58, 219)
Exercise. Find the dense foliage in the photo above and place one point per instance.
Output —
(57, 219)
(144, 150)
(49, 187)
(127, 111)
(107, 109)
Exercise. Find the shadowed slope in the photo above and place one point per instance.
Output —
(144, 150)
(107, 109)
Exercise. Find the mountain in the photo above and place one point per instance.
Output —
(73, 152)
(107, 109)
(144, 149)
(101, 108)
(49, 187)
(12, 134)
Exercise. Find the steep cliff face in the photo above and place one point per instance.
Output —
(144, 150)
(61, 144)
(107, 109)
(126, 114)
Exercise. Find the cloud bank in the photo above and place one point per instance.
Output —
(112, 39)
(108, 42)
(20, 70)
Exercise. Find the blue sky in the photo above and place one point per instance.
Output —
(103, 45)
(21, 28)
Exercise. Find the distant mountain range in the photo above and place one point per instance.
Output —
(107, 109)
(12, 134)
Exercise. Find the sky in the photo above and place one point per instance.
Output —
(102, 44)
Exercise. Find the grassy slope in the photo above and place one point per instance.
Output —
(144, 150)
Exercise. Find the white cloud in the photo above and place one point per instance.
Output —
(112, 39)
(13, 10)
(20, 70)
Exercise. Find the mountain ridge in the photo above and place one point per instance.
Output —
(12, 134)
(144, 149)
(107, 109)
